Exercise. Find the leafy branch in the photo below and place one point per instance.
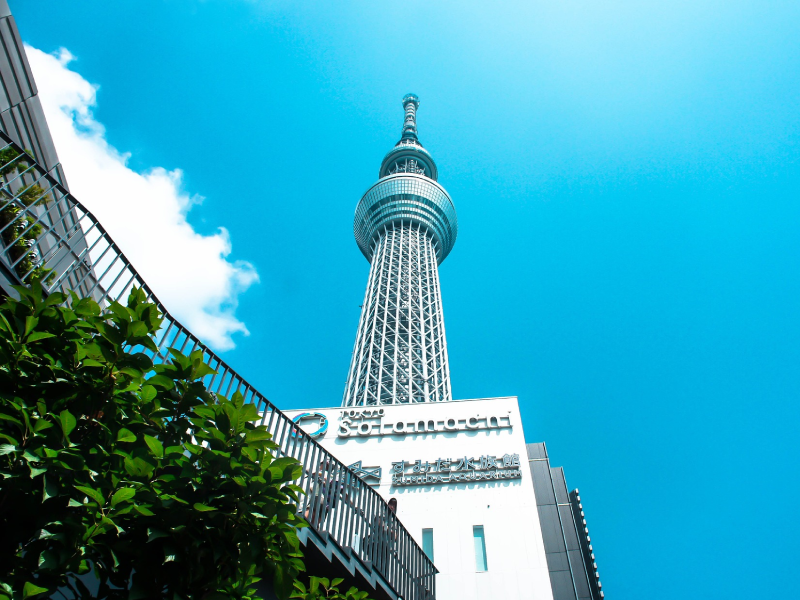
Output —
(19, 233)
(321, 588)
(128, 477)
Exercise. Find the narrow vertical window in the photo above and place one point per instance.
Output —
(427, 543)
(480, 548)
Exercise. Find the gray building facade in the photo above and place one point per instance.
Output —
(570, 558)
(23, 127)
(21, 115)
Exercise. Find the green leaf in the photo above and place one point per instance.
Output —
(122, 495)
(179, 358)
(50, 488)
(148, 392)
(90, 362)
(156, 447)
(161, 381)
(30, 324)
(137, 467)
(284, 462)
(137, 329)
(257, 435)
(41, 425)
(292, 538)
(131, 372)
(11, 441)
(125, 435)
(35, 472)
(154, 534)
(48, 559)
(285, 468)
(122, 313)
(4, 417)
(336, 581)
(93, 494)
(203, 507)
(141, 361)
(87, 308)
(202, 370)
(6, 449)
(67, 421)
(31, 589)
(40, 335)
(109, 524)
(114, 556)
(5, 326)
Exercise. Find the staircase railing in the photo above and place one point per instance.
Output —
(46, 234)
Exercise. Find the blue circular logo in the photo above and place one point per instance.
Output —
(322, 421)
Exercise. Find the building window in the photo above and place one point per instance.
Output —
(480, 548)
(427, 543)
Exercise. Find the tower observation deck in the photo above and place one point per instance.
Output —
(405, 225)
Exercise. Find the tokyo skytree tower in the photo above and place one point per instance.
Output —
(405, 225)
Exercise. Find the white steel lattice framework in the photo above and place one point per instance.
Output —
(405, 225)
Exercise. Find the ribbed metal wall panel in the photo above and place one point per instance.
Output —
(567, 556)
(21, 114)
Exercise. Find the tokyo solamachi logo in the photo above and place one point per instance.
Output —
(321, 420)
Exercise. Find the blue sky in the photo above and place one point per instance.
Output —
(626, 178)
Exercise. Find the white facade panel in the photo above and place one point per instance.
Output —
(501, 498)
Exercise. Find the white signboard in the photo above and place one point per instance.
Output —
(373, 422)
(460, 470)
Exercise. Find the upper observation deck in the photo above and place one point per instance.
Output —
(407, 192)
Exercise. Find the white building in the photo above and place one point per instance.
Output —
(459, 471)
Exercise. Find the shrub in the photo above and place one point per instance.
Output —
(125, 479)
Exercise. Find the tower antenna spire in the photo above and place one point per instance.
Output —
(410, 104)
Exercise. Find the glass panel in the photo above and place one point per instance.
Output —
(480, 548)
(427, 543)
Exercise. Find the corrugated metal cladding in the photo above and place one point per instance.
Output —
(21, 114)
(573, 575)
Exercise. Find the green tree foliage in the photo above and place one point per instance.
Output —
(19, 234)
(320, 588)
(125, 479)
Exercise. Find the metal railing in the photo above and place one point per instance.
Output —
(46, 234)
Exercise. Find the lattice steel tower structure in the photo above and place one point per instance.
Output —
(405, 225)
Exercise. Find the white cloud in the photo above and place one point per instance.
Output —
(145, 213)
